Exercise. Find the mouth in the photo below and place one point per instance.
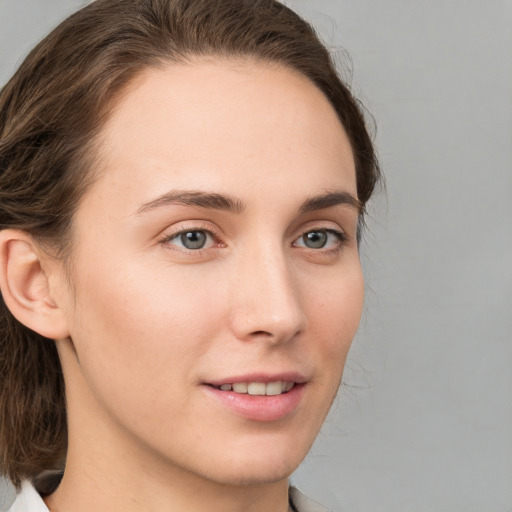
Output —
(260, 397)
(275, 388)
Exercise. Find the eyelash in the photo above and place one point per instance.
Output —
(340, 235)
(188, 229)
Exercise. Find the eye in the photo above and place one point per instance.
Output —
(191, 239)
(320, 239)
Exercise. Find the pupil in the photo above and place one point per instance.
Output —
(315, 239)
(193, 239)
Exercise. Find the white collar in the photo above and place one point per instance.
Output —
(304, 504)
(28, 500)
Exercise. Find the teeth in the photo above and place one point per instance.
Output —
(240, 387)
(256, 388)
(259, 388)
(273, 388)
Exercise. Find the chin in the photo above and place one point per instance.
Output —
(256, 467)
(254, 475)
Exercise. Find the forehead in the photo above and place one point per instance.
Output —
(214, 123)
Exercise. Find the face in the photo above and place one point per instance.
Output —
(216, 282)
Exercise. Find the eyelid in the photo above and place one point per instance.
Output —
(186, 227)
(333, 225)
(338, 233)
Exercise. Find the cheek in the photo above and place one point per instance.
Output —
(337, 310)
(131, 322)
(340, 316)
(139, 341)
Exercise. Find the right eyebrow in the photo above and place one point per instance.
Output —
(194, 198)
(329, 199)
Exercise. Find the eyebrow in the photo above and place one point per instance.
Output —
(228, 203)
(329, 199)
(195, 198)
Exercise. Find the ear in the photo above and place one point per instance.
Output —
(26, 288)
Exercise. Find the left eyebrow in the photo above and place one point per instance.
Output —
(331, 199)
(195, 198)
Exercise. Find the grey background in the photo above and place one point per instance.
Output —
(424, 419)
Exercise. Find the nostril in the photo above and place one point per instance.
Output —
(262, 333)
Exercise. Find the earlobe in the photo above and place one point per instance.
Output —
(25, 286)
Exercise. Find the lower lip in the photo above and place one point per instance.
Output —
(259, 408)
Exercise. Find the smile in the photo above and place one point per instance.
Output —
(268, 401)
(258, 388)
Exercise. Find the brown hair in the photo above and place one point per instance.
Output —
(52, 110)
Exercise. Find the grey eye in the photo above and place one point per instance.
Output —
(315, 239)
(321, 239)
(193, 239)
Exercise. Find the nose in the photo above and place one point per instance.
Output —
(266, 298)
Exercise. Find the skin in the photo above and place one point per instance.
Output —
(148, 322)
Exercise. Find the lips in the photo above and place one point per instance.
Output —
(259, 397)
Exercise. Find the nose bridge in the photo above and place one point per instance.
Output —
(267, 301)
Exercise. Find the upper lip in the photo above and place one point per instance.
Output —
(291, 376)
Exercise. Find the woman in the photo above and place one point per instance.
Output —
(183, 185)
